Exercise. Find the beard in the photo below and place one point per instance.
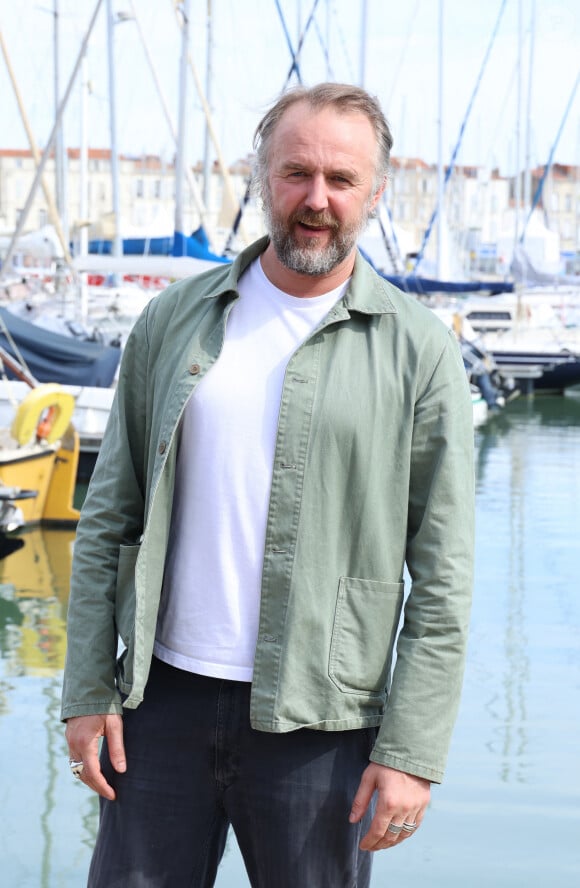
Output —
(309, 257)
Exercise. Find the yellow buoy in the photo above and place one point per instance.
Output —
(43, 415)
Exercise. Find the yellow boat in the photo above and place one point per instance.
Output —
(39, 456)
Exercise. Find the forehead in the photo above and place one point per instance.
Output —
(324, 136)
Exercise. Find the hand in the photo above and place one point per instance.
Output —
(82, 735)
(402, 798)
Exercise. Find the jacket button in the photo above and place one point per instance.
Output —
(162, 447)
(194, 369)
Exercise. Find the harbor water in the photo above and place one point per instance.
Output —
(508, 813)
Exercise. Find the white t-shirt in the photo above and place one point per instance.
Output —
(208, 619)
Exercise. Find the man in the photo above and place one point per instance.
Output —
(287, 434)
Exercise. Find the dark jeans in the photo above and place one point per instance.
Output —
(195, 766)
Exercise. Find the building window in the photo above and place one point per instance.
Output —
(139, 188)
(568, 203)
(157, 188)
(42, 218)
(554, 202)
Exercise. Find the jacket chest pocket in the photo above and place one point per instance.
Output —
(363, 634)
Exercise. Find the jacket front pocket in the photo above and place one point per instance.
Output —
(125, 592)
(363, 634)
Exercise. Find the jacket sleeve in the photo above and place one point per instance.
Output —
(428, 673)
(112, 515)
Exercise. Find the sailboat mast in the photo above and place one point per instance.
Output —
(49, 146)
(208, 91)
(364, 18)
(117, 243)
(182, 119)
(84, 161)
(193, 186)
(440, 172)
(59, 165)
(528, 162)
(518, 180)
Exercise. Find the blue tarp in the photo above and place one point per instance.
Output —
(134, 246)
(413, 284)
(196, 245)
(52, 357)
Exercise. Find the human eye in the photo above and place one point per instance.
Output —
(340, 179)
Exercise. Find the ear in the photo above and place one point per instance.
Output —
(378, 193)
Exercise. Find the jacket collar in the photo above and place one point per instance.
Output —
(367, 292)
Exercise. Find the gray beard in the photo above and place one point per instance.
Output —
(313, 261)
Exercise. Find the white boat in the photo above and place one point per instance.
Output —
(530, 336)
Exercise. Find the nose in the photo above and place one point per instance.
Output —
(317, 196)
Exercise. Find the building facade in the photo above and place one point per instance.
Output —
(478, 206)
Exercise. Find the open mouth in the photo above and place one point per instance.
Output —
(310, 227)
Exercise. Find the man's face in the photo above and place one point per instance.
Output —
(319, 189)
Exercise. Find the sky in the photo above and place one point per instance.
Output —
(251, 63)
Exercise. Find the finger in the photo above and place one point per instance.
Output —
(116, 746)
(391, 829)
(92, 774)
(83, 735)
(362, 799)
(410, 825)
(378, 834)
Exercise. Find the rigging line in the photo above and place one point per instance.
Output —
(550, 160)
(296, 55)
(343, 44)
(500, 117)
(14, 345)
(399, 66)
(451, 165)
(290, 45)
(324, 49)
(48, 148)
(393, 231)
(293, 67)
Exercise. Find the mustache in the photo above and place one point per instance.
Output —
(318, 220)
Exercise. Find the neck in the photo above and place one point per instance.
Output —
(304, 285)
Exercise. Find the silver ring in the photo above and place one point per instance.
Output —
(394, 828)
(76, 768)
(409, 827)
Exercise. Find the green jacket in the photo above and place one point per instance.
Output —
(373, 470)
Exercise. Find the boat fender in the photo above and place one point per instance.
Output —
(44, 414)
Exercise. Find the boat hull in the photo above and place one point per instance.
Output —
(552, 372)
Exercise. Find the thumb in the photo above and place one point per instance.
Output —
(114, 735)
(362, 798)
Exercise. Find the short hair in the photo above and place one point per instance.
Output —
(344, 98)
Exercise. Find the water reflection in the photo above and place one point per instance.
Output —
(44, 842)
(513, 762)
(519, 510)
(34, 588)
